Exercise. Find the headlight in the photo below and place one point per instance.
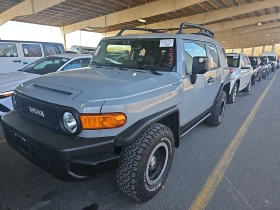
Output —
(103, 121)
(70, 122)
(6, 94)
(14, 102)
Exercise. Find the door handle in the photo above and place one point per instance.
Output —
(211, 79)
(16, 61)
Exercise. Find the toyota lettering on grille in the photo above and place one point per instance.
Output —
(36, 111)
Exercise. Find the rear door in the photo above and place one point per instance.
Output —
(10, 57)
(31, 52)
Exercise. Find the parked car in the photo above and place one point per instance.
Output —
(15, 55)
(272, 56)
(258, 69)
(50, 64)
(83, 49)
(128, 116)
(266, 64)
(241, 74)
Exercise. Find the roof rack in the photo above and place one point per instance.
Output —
(203, 31)
(139, 29)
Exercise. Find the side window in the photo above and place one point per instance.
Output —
(78, 63)
(214, 58)
(32, 50)
(192, 50)
(53, 49)
(8, 50)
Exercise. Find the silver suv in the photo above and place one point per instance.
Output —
(241, 74)
(126, 114)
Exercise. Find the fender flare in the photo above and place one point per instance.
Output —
(127, 136)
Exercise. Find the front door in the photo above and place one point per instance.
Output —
(199, 97)
(245, 74)
(10, 57)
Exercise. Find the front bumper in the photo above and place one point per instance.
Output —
(67, 158)
(6, 105)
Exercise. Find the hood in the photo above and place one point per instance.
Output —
(10, 81)
(101, 84)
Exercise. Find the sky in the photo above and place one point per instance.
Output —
(14, 30)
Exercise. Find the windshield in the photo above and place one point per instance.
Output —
(272, 58)
(45, 65)
(233, 61)
(144, 54)
(253, 61)
(264, 60)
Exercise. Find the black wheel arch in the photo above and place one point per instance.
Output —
(223, 87)
(169, 117)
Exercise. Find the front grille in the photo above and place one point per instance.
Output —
(45, 113)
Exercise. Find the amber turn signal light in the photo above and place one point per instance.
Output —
(103, 121)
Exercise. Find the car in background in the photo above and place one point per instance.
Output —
(241, 74)
(50, 64)
(272, 56)
(266, 64)
(15, 55)
(83, 49)
(258, 69)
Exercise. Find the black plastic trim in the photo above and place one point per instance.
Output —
(131, 133)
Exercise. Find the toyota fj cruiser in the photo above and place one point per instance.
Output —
(127, 115)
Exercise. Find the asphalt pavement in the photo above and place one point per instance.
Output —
(251, 181)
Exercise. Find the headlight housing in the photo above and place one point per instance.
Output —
(6, 94)
(69, 122)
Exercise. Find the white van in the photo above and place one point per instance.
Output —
(15, 55)
(272, 56)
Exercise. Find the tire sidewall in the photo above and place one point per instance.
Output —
(151, 190)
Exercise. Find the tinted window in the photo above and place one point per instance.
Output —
(254, 61)
(264, 60)
(144, 54)
(78, 63)
(8, 50)
(53, 49)
(32, 50)
(214, 58)
(233, 61)
(45, 65)
(193, 50)
(272, 58)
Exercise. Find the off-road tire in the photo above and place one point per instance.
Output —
(131, 174)
(232, 96)
(253, 80)
(264, 75)
(248, 87)
(216, 117)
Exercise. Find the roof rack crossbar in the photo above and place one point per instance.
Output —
(139, 29)
(203, 31)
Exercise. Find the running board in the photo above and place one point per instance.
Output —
(194, 125)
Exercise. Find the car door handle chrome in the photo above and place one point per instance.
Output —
(211, 79)
(16, 61)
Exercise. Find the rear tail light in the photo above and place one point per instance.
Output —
(230, 71)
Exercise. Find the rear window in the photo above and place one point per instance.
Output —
(8, 50)
(272, 58)
(233, 61)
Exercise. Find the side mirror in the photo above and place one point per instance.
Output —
(200, 65)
